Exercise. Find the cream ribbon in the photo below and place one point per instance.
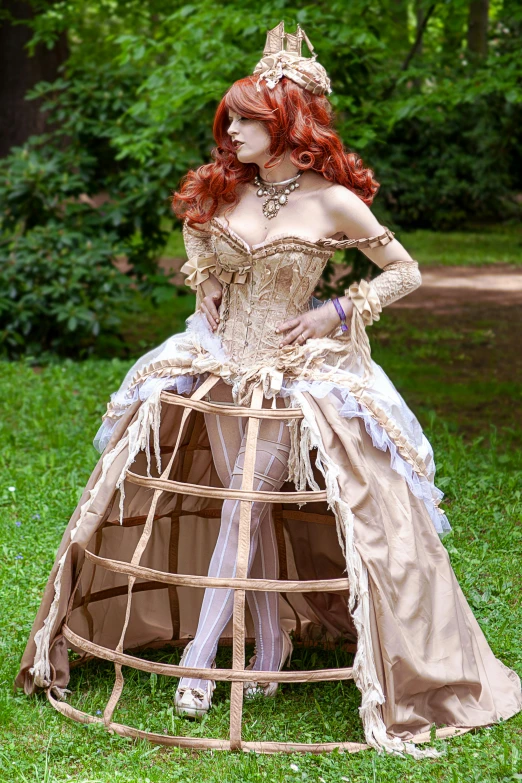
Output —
(237, 275)
(366, 300)
(271, 379)
(198, 269)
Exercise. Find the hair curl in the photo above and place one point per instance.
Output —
(294, 118)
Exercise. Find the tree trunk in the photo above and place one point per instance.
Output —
(478, 28)
(20, 118)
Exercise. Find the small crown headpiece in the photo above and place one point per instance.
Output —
(279, 61)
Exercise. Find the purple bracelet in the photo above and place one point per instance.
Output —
(340, 313)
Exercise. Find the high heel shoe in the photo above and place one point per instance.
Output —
(251, 689)
(194, 702)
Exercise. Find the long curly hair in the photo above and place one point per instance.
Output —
(294, 118)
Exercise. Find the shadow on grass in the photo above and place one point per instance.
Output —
(299, 712)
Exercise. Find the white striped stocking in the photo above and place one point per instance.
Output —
(227, 437)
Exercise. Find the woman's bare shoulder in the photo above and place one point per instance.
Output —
(341, 197)
(350, 213)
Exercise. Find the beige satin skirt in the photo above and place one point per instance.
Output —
(432, 660)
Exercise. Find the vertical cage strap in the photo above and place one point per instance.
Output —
(278, 519)
(243, 551)
(140, 548)
(175, 524)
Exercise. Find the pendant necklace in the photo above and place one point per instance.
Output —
(275, 193)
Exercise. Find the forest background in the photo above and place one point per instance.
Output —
(107, 103)
(104, 105)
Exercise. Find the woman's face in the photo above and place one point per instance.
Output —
(250, 137)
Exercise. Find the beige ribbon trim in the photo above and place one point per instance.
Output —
(206, 743)
(198, 269)
(200, 743)
(223, 675)
(366, 300)
(199, 490)
(238, 275)
(223, 409)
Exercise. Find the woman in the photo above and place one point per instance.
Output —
(260, 222)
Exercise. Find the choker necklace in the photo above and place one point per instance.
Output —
(275, 193)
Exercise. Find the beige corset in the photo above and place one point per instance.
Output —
(272, 282)
(264, 286)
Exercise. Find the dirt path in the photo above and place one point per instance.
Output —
(447, 289)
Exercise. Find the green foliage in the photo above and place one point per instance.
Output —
(58, 291)
(133, 110)
(58, 244)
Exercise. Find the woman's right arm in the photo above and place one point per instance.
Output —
(199, 268)
(211, 299)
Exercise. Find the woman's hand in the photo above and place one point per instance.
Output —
(313, 323)
(212, 295)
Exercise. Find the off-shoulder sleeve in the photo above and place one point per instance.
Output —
(397, 279)
(201, 259)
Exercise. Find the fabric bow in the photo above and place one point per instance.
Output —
(198, 269)
(365, 300)
(271, 379)
(229, 276)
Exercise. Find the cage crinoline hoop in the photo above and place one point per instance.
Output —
(237, 675)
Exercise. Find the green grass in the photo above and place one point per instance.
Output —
(147, 324)
(497, 244)
(494, 245)
(48, 418)
(468, 371)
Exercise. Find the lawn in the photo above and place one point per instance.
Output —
(479, 247)
(48, 418)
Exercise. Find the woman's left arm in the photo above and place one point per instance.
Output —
(352, 218)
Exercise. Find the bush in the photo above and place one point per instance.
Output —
(58, 291)
(70, 208)
(455, 171)
(133, 109)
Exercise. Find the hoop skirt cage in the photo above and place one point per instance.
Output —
(357, 525)
(126, 602)
(171, 505)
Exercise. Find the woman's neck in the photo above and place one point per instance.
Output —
(283, 171)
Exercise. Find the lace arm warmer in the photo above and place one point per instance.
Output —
(200, 254)
(397, 279)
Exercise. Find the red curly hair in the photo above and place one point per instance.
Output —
(294, 118)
